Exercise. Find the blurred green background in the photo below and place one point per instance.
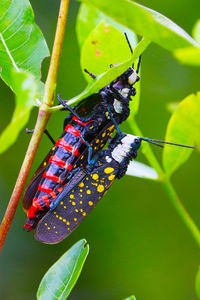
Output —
(138, 244)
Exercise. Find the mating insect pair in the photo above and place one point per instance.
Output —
(86, 131)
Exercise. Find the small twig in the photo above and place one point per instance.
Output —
(42, 120)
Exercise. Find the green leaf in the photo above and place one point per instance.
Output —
(88, 18)
(183, 128)
(99, 49)
(145, 22)
(22, 45)
(25, 89)
(141, 170)
(131, 298)
(60, 279)
(188, 56)
(22, 48)
(104, 79)
(196, 31)
(197, 283)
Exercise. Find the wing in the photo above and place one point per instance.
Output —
(34, 182)
(57, 224)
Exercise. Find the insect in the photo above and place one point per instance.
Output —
(86, 131)
(87, 187)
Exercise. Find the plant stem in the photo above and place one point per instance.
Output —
(167, 186)
(42, 120)
(182, 211)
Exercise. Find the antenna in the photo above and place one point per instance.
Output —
(155, 142)
(138, 65)
(129, 44)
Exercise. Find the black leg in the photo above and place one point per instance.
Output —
(45, 131)
(64, 104)
(91, 74)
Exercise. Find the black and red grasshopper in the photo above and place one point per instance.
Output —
(87, 186)
(88, 127)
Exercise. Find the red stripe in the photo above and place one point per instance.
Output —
(69, 167)
(61, 143)
(76, 152)
(57, 161)
(46, 200)
(69, 128)
(51, 176)
(79, 122)
(59, 189)
(44, 188)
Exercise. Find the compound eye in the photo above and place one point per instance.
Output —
(132, 78)
(137, 141)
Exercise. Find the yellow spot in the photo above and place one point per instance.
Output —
(44, 164)
(68, 228)
(95, 148)
(56, 216)
(61, 203)
(54, 227)
(94, 183)
(111, 128)
(54, 212)
(75, 166)
(84, 213)
(103, 134)
(102, 145)
(108, 170)
(88, 192)
(56, 231)
(73, 203)
(64, 206)
(81, 190)
(81, 210)
(82, 156)
(76, 210)
(81, 184)
(91, 127)
(97, 141)
(52, 148)
(100, 188)
(111, 177)
(60, 218)
(45, 224)
(81, 202)
(90, 203)
(87, 178)
(64, 220)
(95, 176)
(75, 219)
(71, 196)
(48, 228)
(68, 223)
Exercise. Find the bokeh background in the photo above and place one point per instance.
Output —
(138, 244)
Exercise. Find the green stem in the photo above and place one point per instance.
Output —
(167, 185)
(181, 210)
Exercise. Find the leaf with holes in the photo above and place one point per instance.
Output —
(60, 279)
(183, 128)
(145, 22)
